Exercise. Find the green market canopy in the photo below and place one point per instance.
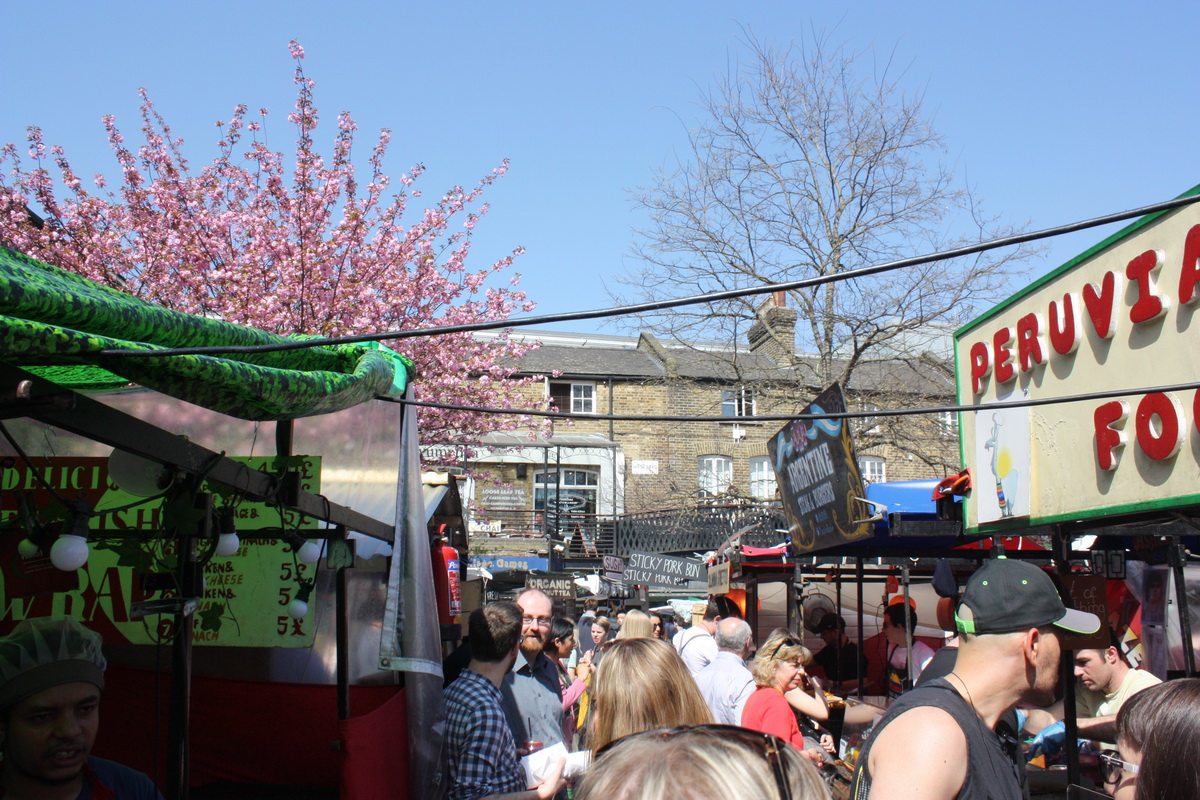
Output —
(56, 325)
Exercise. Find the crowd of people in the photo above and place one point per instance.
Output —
(701, 712)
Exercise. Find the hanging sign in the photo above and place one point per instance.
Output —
(561, 586)
(818, 477)
(1117, 317)
(665, 572)
(718, 578)
(246, 595)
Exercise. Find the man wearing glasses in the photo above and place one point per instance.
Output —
(532, 694)
(938, 741)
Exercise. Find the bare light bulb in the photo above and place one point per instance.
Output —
(69, 552)
(298, 608)
(309, 552)
(228, 544)
(27, 549)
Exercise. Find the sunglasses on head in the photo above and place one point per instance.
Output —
(766, 745)
(787, 641)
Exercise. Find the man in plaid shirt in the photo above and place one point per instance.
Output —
(482, 753)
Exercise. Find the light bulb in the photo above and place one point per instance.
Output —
(136, 475)
(69, 552)
(309, 552)
(27, 549)
(297, 609)
(228, 544)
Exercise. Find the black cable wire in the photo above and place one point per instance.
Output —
(880, 412)
(661, 305)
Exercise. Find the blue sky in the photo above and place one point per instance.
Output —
(1051, 111)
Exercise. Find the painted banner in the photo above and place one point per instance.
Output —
(246, 595)
(818, 477)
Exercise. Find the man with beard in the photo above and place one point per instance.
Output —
(532, 695)
(938, 741)
(51, 677)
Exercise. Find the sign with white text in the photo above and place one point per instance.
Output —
(665, 572)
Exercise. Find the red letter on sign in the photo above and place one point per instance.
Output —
(1109, 438)
(1101, 305)
(1164, 442)
(1142, 269)
(1003, 356)
(1189, 276)
(1030, 350)
(1065, 325)
(980, 366)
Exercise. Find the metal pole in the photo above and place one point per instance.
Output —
(343, 645)
(858, 665)
(908, 630)
(1066, 667)
(1181, 602)
(179, 723)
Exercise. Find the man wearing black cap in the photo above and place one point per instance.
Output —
(51, 676)
(843, 664)
(938, 741)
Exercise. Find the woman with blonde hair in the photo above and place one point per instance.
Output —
(778, 670)
(701, 762)
(641, 685)
(637, 625)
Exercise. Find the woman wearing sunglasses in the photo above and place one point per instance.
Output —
(778, 670)
(642, 684)
(701, 762)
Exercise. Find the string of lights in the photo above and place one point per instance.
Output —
(661, 305)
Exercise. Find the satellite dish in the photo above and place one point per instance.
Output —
(814, 609)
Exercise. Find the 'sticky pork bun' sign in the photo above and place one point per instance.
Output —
(1123, 315)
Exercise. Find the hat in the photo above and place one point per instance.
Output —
(44, 652)
(1004, 596)
(828, 622)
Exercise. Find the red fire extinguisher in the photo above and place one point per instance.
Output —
(446, 564)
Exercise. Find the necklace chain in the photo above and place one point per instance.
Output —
(963, 684)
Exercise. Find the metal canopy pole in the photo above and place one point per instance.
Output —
(1066, 667)
(1181, 603)
(859, 662)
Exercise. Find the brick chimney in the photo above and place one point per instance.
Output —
(774, 330)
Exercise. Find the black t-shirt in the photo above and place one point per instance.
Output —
(841, 663)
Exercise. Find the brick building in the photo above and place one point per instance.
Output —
(590, 466)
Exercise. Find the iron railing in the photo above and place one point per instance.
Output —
(683, 530)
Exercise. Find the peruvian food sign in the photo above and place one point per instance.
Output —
(1118, 317)
(818, 477)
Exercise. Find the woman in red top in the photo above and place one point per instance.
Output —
(778, 670)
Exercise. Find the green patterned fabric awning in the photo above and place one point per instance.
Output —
(55, 324)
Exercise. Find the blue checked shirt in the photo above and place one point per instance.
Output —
(482, 753)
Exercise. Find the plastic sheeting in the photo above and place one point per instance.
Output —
(411, 639)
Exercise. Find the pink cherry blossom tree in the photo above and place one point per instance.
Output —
(299, 248)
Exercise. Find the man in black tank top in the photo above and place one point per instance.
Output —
(938, 741)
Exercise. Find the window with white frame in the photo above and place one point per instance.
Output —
(762, 478)
(576, 397)
(873, 468)
(716, 475)
(948, 423)
(567, 490)
(868, 424)
(737, 401)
